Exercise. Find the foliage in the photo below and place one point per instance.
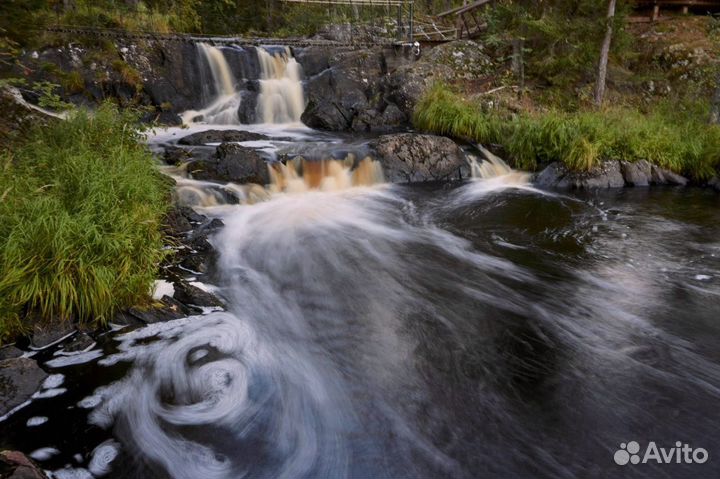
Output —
(671, 136)
(81, 205)
(47, 96)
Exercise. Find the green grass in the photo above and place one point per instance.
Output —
(670, 136)
(80, 208)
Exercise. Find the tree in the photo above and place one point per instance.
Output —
(715, 103)
(604, 53)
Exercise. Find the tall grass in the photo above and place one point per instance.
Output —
(80, 211)
(671, 138)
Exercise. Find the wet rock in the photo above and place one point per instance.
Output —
(174, 155)
(19, 379)
(167, 309)
(186, 308)
(45, 333)
(80, 342)
(334, 98)
(661, 176)
(606, 175)
(551, 175)
(233, 163)
(175, 223)
(220, 136)
(17, 465)
(714, 183)
(165, 118)
(636, 173)
(373, 121)
(412, 158)
(192, 295)
(9, 352)
(181, 219)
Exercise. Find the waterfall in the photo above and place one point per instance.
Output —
(223, 107)
(281, 98)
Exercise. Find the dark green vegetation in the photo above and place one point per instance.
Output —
(672, 136)
(81, 205)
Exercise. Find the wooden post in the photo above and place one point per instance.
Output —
(685, 10)
(715, 103)
(655, 13)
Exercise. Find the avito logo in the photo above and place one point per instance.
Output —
(680, 454)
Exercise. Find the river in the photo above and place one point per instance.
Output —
(482, 329)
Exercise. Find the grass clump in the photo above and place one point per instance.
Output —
(81, 205)
(670, 137)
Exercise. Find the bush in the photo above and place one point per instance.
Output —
(675, 136)
(81, 205)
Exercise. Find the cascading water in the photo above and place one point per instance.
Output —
(223, 107)
(281, 98)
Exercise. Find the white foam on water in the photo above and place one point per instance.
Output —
(44, 453)
(102, 458)
(81, 358)
(53, 381)
(162, 288)
(36, 421)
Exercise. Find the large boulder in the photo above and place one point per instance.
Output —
(351, 93)
(413, 158)
(220, 136)
(231, 163)
(19, 379)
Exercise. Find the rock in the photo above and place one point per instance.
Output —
(234, 163)
(167, 309)
(19, 466)
(192, 295)
(606, 175)
(175, 223)
(19, 379)
(181, 219)
(46, 333)
(9, 352)
(714, 183)
(80, 342)
(220, 136)
(661, 176)
(412, 158)
(636, 173)
(551, 175)
(174, 155)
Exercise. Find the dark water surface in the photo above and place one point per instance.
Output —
(478, 331)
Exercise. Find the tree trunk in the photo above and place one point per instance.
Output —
(604, 53)
(715, 104)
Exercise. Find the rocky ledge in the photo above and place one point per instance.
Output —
(610, 174)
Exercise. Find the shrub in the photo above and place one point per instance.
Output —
(81, 205)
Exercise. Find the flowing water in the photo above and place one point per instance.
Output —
(487, 329)
(281, 99)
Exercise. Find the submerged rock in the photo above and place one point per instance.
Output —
(220, 136)
(233, 163)
(414, 158)
(19, 379)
